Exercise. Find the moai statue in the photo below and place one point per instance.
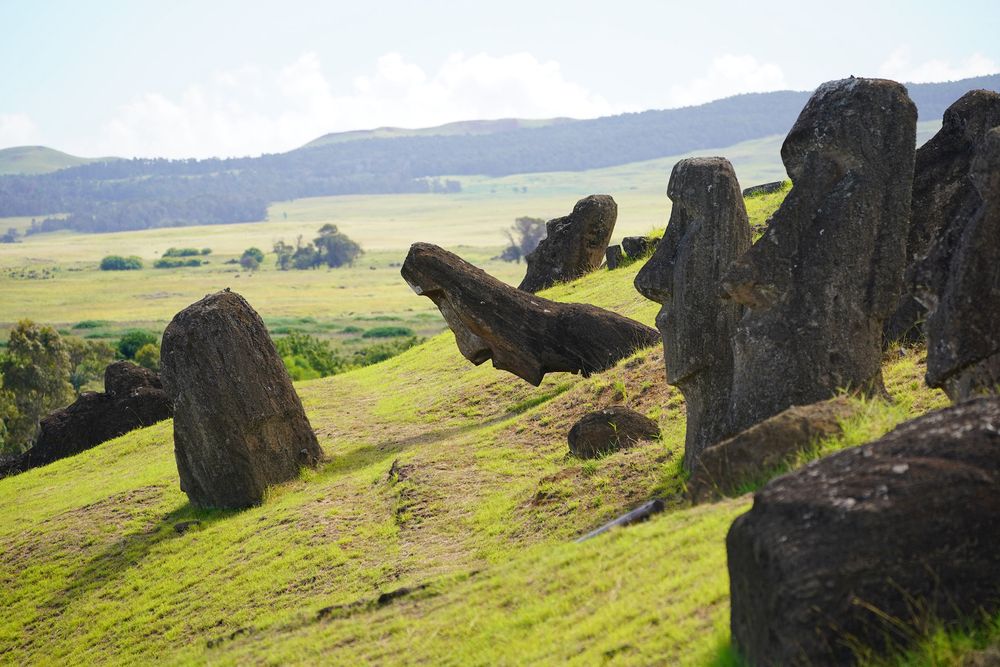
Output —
(708, 230)
(819, 284)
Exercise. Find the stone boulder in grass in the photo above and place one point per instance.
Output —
(132, 398)
(608, 430)
(866, 547)
(239, 426)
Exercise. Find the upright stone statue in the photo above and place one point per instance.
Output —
(820, 283)
(574, 245)
(961, 288)
(239, 426)
(942, 192)
(708, 230)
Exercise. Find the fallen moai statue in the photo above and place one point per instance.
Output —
(708, 230)
(574, 245)
(870, 545)
(763, 448)
(961, 288)
(522, 333)
(608, 430)
(819, 284)
(133, 398)
(944, 198)
(239, 426)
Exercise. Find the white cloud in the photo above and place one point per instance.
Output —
(250, 110)
(900, 67)
(16, 129)
(728, 75)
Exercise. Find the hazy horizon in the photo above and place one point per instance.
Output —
(234, 79)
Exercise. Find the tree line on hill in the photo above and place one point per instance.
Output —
(145, 193)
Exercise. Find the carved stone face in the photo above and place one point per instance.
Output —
(707, 230)
(985, 171)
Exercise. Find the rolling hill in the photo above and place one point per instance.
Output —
(32, 160)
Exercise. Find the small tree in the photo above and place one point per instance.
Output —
(148, 356)
(284, 254)
(335, 248)
(251, 259)
(87, 360)
(524, 236)
(35, 371)
(132, 340)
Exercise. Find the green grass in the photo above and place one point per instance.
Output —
(478, 518)
(37, 160)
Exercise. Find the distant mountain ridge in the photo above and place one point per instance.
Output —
(141, 193)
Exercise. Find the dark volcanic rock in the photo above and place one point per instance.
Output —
(614, 256)
(944, 199)
(828, 271)
(239, 426)
(609, 430)
(522, 333)
(763, 189)
(132, 399)
(746, 457)
(961, 287)
(573, 246)
(638, 246)
(708, 230)
(123, 378)
(871, 543)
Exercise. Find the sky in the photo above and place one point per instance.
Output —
(183, 78)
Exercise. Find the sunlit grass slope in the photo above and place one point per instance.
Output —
(439, 530)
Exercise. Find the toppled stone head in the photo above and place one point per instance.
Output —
(574, 245)
(522, 333)
(708, 230)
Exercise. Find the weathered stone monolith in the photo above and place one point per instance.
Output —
(942, 193)
(522, 333)
(960, 280)
(872, 545)
(614, 256)
(638, 246)
(574, 245)
(820, 283)
(708, 230)
(239, 426)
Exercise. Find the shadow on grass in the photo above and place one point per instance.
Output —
(105, 569)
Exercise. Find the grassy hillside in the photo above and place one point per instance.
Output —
(450, 480)
(38, 160)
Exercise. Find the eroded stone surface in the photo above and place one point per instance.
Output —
(708, 230)
(960, 280)
(522, 333)
(944, 198)
(574, 245)
(870, 543)
(758, 451)
(608, 430)
(133, 398)
(820, 283)
(239, 426)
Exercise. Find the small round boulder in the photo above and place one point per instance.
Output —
(609, 430)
